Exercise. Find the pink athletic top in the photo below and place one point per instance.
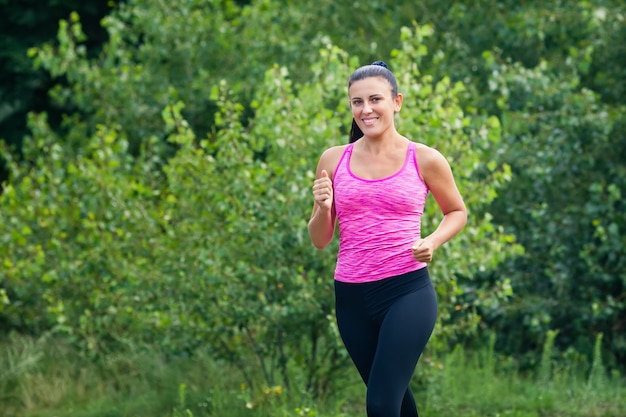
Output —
(379, 221)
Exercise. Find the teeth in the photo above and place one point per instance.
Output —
(369, 121)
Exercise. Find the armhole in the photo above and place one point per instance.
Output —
(417, 168)
(343, 156)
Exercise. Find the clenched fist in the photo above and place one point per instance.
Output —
(423, 250)
(323, 191)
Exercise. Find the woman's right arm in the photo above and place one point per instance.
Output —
(322, 222)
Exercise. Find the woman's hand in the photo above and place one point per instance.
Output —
(423, 250)
(323, 191)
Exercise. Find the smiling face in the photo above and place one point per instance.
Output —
(373, 105)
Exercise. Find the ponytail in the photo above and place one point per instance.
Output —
(355, 132)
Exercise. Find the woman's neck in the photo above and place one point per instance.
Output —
(382, 144)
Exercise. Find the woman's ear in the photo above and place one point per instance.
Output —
(398, 102)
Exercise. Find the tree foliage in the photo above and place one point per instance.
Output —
(561, 143)
(24, 25)
(209, 248)
(170, 207)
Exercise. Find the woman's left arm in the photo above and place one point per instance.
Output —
(437, 174)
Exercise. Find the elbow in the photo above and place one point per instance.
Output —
(458, 217)
(320, 238)
(320, 243)
(462, 217)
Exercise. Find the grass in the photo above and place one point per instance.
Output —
(477, 385)
(46, 378)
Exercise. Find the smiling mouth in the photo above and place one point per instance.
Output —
(369, 122)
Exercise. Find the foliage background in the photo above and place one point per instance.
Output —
(157, 196)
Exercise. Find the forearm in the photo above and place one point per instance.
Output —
(451, 224)
(321, 227)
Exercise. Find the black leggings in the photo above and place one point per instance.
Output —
(385, 326)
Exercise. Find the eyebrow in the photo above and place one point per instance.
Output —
(371, 96)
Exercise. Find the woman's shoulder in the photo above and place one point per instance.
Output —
(334, 152)
(335, 149)
(429, 158)
(330, 158)
(426, 152)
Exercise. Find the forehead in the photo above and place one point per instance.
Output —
(369, 86)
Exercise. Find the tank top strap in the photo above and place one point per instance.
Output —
(345, 159)
(411, 153)
(413, 156)
(348, 151)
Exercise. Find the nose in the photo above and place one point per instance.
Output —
(366, 107)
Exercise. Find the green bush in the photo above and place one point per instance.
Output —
(209, 248)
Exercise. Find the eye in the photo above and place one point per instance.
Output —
(357, 102)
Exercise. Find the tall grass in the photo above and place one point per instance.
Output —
(483, 384)
(50, 379)
(47, 378)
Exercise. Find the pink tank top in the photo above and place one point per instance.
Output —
(379, 221)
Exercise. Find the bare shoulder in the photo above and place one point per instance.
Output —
(431, 162)
(329, 160)
(427, 156)
(437, 174)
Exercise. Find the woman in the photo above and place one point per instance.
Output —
(376, 187)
